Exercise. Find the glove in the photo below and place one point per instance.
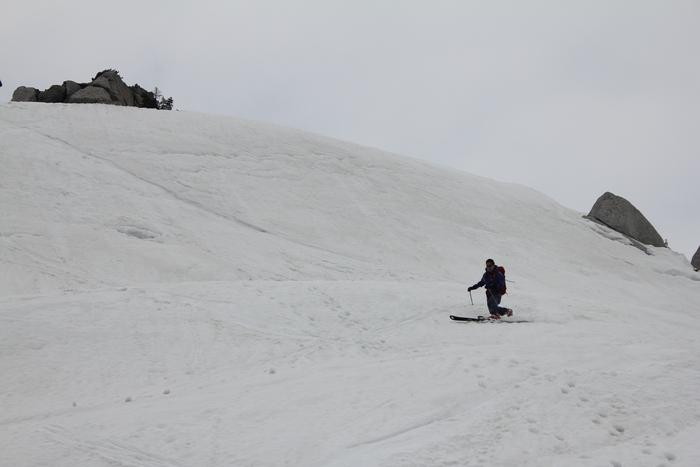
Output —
(470, 289)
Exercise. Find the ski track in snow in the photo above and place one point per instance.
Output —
(112, 451)
(181, 289)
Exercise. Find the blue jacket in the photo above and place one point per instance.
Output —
(494, 281)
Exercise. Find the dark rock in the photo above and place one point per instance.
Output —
(619, 214)
(143, 98)
(695, 262)
(106, 87)
(56, 93)
(25, 94)
(119, 93)
(90, 95)
(71, 88)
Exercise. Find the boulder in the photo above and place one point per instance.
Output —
(71, 88)
(119, 93)
(56, 93)
(695, 262)
(143, 98)
(25, 94)
(619, 214)
(90, 95)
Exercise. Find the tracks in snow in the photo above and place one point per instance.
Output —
(111, 450)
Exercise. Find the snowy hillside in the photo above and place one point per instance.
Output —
(181, 289)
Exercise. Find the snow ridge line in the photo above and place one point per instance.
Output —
(112, 451)
(196, 204)
(152, 183)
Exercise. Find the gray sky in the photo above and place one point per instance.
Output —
(572, 98)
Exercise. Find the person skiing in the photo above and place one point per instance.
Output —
(495, 282)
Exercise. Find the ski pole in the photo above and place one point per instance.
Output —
(470, 297)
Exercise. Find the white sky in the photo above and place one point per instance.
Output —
(570, 98)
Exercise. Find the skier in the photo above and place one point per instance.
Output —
(495, 282)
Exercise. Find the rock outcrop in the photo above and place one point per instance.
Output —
(106, 87)
(695, 262)
(90, 95)
(56, 93)
(71, 88)
(25, 94)
(143, 98)
(619, 214)
(119, 93)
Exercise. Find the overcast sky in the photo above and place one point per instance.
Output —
(570, 98)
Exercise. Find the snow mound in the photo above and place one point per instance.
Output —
(187, 289)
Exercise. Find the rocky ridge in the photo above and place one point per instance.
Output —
(107, 87)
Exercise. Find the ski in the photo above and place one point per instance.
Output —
(486, 319)
(462, 318)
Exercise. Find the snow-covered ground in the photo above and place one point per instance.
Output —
(181, 289)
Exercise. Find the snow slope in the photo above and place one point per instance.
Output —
(183, 289)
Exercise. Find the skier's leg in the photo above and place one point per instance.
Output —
(492, 301)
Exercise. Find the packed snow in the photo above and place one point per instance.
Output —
(181, 289)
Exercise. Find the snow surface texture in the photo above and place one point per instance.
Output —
(181, 289)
